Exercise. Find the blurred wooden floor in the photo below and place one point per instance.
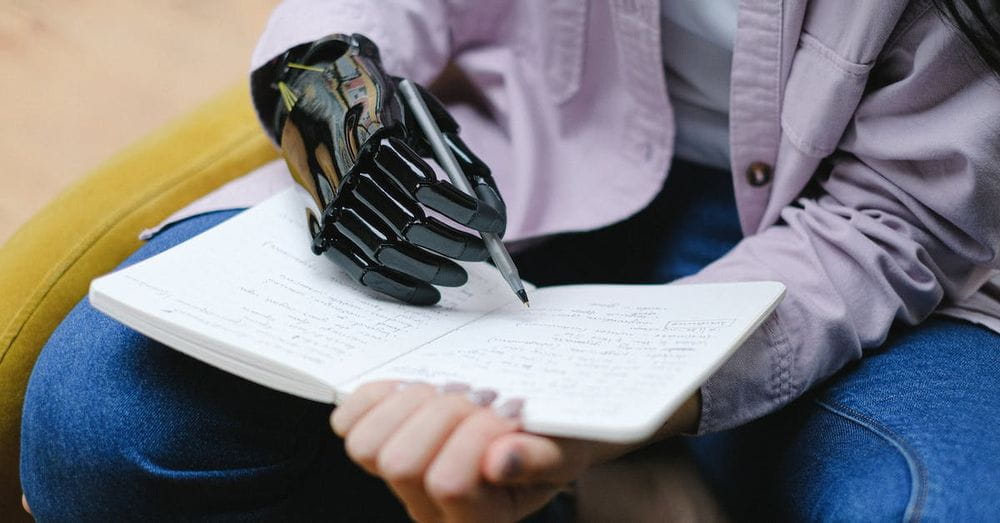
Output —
(82, 78)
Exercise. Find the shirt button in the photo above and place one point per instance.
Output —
(759, 173)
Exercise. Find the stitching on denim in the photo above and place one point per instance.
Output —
(918, 473)
(151, 469)
(53, 277)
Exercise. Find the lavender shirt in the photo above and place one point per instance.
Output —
(863, 137)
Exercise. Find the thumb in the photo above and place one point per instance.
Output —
(521, 459)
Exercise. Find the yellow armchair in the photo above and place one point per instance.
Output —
(46, 267)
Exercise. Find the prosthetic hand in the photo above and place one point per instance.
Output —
(351, 145)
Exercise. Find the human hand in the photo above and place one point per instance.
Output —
(353, 147)
(449, 457)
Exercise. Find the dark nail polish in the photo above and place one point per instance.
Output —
(455, 387)
(513, 467)
(511, 408)
(483, 397)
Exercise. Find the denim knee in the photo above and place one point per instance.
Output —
(905, 433)
(116, 423)
(806, 463)
(859, 470)
(933, 389)
(117, 426)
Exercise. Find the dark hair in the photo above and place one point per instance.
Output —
(979, 23)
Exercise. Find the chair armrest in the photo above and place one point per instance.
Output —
(46, 267)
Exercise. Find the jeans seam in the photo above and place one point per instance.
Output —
(918, 479)
(147, 467)
(235, 208)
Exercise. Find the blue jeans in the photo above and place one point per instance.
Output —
(118, 426)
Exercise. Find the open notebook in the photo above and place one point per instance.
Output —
(607, 362)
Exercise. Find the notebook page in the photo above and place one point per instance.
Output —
(602, 362)
(251, 289)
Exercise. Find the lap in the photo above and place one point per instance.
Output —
(115, 423)
(906, 432)
(109, 411)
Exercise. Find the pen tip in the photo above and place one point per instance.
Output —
(524, 297)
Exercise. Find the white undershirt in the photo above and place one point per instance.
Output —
(697, 37)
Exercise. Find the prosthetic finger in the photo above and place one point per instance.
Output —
(380, 243)
(477, 172)
(444, 120)
(362, 269)
(398, 162)
(437, 236)
(474, 169)
(408, 220)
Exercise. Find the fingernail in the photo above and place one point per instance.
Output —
(511, 408)
(513, 467)
(483, 397)
(455, 387)
(405, 385)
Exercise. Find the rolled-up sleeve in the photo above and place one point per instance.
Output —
(906, 218)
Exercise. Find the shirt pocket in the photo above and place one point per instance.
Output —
(821, 96)
(553, 43)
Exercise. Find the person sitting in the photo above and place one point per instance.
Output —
(846, 149)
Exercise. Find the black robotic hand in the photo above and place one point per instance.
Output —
(352, 146)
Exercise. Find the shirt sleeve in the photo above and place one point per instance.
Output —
(905, 218)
